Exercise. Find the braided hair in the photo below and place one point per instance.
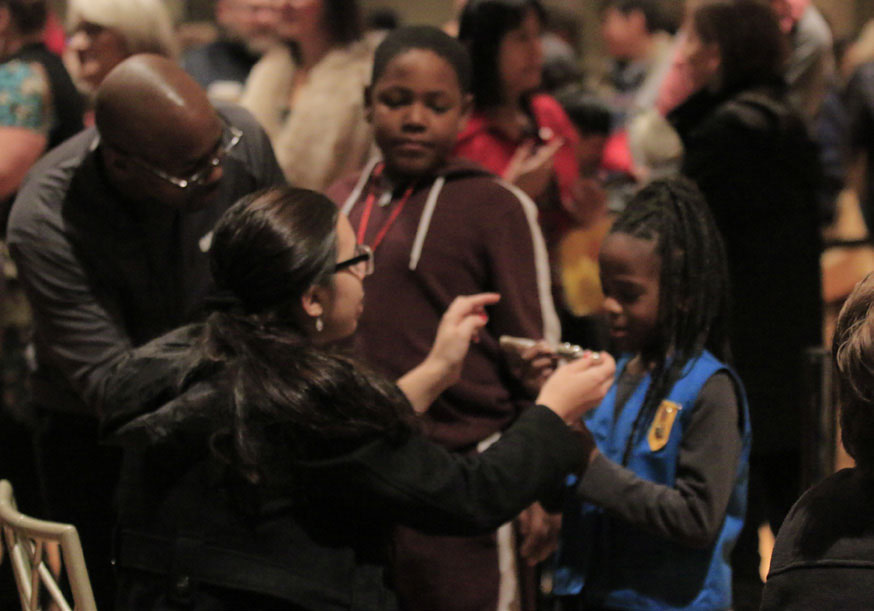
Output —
(693, 282)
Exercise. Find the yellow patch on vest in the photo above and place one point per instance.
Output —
(660, 431)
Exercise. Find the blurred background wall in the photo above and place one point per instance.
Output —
(846, 16)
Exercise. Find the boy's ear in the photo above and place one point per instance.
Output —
(114, 160)
(466, 110)
(368, 104)
(312, 301)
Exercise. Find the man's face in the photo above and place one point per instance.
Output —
(92, 52)
(622, 31)
(252, 22)
(155, 168)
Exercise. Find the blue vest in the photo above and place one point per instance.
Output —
(623, 567)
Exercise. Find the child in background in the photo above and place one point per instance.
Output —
(578, 249)
(664, 497)
(440, 228)
(591, 117)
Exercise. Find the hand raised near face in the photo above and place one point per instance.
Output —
(459, 326)
(531, 167)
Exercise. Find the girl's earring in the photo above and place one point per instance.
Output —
(319, 324)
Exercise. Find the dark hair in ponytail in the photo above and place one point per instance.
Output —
(273, 245)
(284, 398)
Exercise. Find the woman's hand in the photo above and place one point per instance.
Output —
(441, 369)
(459, 326)
(578, 386)
(530, 169)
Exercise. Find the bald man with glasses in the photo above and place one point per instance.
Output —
(110, 234)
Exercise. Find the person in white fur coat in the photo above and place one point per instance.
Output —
(308, 93)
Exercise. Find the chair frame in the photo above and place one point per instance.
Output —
(29, 543)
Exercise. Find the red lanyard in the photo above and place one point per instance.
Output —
(368, 209)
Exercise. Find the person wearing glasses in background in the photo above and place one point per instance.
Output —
(110, 233)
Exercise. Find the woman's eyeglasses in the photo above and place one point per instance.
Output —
(361, 263)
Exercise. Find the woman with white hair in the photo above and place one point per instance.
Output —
(105, 32)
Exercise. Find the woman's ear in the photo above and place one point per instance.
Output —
(466, 111)
(313, 301)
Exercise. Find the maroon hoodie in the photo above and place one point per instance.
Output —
(462, 231)
(476, 234)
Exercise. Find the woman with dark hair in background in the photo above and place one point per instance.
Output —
(750, 154)
(514, 131)
(523, 134)
(308, 94)
(266, 469)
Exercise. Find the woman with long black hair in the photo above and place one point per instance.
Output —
(516, 130)
(266, 469)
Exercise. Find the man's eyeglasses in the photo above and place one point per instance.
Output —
(361, 263)
(230, 138)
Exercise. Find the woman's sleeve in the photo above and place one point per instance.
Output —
(24, 97)
(692, 511)
(24, 121)
(422, 485)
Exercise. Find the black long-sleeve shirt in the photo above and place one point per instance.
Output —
(100, 281)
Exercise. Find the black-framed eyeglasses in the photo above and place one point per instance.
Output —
(230, 138)
(361, 263)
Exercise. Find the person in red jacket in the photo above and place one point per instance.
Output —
(515, 131)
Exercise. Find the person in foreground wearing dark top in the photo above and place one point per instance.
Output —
(824, 554)
(265, 468)
(110, 233)
(663, 501)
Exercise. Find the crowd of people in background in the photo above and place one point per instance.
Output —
(189, 235)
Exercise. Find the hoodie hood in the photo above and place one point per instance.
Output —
(453, 169)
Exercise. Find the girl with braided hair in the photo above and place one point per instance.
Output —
(658, 511)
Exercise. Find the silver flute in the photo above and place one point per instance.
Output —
(565, 350)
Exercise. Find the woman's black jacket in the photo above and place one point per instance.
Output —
(317, 539)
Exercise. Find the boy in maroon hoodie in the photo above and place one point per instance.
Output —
(439, 228)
